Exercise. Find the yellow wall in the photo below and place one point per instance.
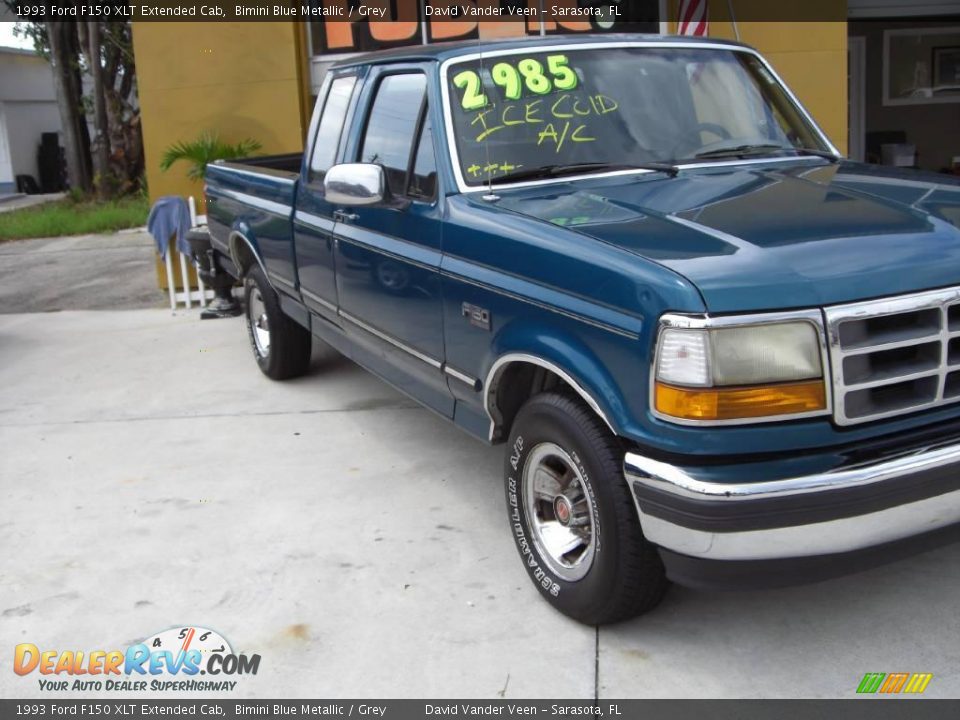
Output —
(242, 80)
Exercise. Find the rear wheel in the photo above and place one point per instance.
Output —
(572, 516)
(280, 346)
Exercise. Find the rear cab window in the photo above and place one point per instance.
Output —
(331, 126)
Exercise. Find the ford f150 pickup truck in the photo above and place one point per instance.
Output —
(717, 352)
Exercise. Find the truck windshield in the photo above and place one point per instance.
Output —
(544, 113)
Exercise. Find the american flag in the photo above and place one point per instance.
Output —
(693, 18)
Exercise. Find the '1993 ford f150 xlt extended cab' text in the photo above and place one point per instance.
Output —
(716, 351)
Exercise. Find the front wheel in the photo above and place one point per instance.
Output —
(572, 516)
(280, 346)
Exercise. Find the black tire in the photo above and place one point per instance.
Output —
(625, 576)
(284, 352)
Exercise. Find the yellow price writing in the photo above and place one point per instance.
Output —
(512, 78)
(473, 98)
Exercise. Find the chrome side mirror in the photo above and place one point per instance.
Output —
(355, 184)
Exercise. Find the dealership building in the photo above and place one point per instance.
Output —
(872, 72)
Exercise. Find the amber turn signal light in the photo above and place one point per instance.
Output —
(734, 403)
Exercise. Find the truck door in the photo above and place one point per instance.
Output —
(313, 217)
(388, 256)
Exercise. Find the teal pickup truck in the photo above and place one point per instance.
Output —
(717, 352)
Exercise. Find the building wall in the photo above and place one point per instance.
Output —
(26, 122)
(242, 80)
(899, 8)
(6, 166)
(24, 75)
(28, 108)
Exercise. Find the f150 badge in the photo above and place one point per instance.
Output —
(478, 316)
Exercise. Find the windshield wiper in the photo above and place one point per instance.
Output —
(549, 171)
(765, 149)
(742, 150)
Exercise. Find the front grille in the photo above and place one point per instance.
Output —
(894, 356)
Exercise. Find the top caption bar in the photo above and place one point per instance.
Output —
(602, 15)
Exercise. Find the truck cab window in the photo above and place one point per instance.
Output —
(423, 176)
(331, 123)
(392, 126)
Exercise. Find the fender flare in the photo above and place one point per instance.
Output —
(237, 235)
(562, 351)
(491, 385)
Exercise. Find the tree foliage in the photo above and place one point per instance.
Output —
(205, 149)
(110, 162)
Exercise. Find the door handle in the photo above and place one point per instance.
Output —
(344, 216)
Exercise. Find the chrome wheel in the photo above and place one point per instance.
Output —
(559, 510)
(259, 324)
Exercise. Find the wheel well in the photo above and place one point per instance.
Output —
(512, 386)
(243, 256)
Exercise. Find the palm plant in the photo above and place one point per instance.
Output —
(205, 149)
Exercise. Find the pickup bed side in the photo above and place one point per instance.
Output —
(249, 213)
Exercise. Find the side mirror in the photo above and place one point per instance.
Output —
(355, 184)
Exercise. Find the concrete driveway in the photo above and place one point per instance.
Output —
(151, 477)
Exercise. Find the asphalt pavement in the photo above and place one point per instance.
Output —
(91, 272)
(151, 478)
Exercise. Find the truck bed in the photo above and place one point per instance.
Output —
(288, 162)
(251, 201)
(280, 166)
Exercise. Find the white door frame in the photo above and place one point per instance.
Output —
(857, 94)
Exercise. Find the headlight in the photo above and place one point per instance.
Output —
(739, 371)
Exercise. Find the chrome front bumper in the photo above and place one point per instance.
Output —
(846, 509)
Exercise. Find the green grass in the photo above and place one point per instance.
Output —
(70, 217)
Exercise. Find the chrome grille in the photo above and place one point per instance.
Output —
(894, 356)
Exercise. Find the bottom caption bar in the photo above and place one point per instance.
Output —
(875, 709)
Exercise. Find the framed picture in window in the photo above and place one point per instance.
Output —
(945, 62)
(921, 66)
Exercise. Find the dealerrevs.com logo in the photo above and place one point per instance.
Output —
(170, 660)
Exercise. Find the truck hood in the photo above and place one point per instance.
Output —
(771, 236)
